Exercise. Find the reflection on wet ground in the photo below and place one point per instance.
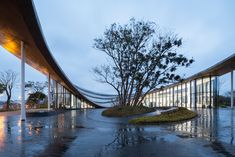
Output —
(87, 133)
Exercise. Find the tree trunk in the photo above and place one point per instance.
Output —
(8, 102)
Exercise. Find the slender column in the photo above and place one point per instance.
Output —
(217, 90)
(80, 103)
(232, 97)
(49, 92)
(23, 112)
(70, 98)
(53, 93)
(76, 102)
(181, 98)
(210, 93)
(63, 96)
(206, 94)
(195, 93)
(202, 94)
(186, 94)
(190, 93)
(159, 98)
(169, 96)
(165, 96)
(177, 96)
(57, 99)
(152, 99)
(173, 96)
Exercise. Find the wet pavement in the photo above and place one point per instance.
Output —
(86, 133)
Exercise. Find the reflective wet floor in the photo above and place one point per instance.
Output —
(86, 133)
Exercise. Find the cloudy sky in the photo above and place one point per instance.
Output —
(69, 26)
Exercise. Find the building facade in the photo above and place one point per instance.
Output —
(190, 93)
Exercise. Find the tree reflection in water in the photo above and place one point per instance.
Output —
(128, 136)
(213, 125)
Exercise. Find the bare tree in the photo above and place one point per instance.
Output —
(8, 80)
(141, 59)
(35, 86)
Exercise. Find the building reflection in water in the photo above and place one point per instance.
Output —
(232, 127)
(203, 126)
(211, 124)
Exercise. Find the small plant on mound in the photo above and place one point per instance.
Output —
(178, 115)
(123, 111)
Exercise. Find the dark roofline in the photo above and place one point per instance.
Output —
(218, 69)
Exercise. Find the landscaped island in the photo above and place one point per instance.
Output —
(180, 114)
(124, 111)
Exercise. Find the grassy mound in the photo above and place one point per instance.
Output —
(124, 111)
(178, 115)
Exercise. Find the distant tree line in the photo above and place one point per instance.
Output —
(8, 80)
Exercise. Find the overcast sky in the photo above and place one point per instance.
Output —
(69, 26)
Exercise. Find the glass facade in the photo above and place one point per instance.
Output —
(63, 98)
(201, 93)
(206, 125)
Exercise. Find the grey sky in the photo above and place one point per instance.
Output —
(69, 26)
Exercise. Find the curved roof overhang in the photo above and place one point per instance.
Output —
(225, 66)
(19, 22)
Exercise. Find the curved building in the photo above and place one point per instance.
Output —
(21, 35)
(199, 90)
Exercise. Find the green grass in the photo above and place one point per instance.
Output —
(223, 105)
(43, 105)
(124, 111)
(179, 115)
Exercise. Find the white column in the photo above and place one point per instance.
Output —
(49, 92)
(194, 93)
(232, 89)
(72, 101)
(210, 93)
(23, 113)
(173, 96)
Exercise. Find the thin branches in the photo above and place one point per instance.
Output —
(142, 58)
